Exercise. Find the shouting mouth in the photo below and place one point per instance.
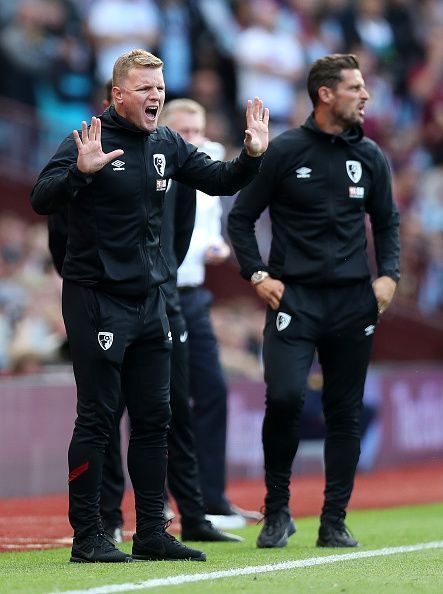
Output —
(151, 112)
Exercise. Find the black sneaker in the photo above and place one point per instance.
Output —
(205, 531)
(98, 548)
(335, 535)
(277, 528)
(161, 545)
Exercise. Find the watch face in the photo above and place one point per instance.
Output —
(258, 276)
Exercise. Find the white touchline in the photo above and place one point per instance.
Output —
(239, 571)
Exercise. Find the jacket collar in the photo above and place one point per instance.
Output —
(349, 136)
(112, 118)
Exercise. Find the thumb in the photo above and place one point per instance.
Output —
(113, 155)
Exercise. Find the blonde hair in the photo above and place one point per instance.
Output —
(136, 58)
(183, 105)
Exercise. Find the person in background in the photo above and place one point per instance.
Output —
(319, 181)
(207, 382)
(113, 308)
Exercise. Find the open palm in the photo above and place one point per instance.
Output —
(91, 157)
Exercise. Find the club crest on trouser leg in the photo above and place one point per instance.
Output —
(105, 340)
(282, 321)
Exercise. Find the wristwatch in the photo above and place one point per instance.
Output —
(259, 276)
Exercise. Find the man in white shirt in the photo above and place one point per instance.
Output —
(208, 388)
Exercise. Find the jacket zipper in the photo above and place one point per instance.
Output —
(144, 231)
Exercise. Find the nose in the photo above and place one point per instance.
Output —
(154, 94)
(364, 94)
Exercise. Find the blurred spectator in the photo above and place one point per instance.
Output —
(117, 26)
(403, 15)
(269, 62)
(430, 298)
(179, 23)
(365, 24)
(426, 87)
(208, 90)
(26, 48)
(31, 326)
(238, 325)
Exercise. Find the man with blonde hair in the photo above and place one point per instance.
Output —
(113, 177)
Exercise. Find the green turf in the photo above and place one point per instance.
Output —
(44, 572)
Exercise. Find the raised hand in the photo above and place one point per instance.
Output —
(256, 133)
(91, 157)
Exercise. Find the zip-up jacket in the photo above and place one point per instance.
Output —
(318, 188)
(175, 237)
(115, 214)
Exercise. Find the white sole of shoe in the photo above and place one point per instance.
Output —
(227, 522)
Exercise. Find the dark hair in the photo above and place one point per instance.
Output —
(326, 72)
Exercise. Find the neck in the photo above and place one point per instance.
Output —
(325, 122)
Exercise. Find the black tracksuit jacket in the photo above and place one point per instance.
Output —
(115, 214)
(318, 187)
(175, 237)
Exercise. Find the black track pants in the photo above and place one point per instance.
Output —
(338, 322)
(182, 474)
(208, 391)
(117, 346)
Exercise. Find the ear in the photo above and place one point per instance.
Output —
(117, 94)
(325, 94)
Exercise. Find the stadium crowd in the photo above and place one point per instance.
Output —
(57, 54)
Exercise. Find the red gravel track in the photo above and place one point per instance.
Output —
(41, 522)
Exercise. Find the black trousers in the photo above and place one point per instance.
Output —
(182, 472)
(117, 346)
(338, 322)
(208, 390)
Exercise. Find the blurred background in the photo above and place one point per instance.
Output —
(56, 56)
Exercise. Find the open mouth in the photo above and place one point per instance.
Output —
(151, 112)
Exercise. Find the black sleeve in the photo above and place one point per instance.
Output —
(249, 205)
(385, 220)
(59, 181)
(58, 237)
(184, 219)
(216, 178)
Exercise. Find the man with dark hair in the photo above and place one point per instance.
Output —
(318, 181)
(113, 308)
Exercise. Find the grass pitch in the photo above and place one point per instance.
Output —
(299, 568)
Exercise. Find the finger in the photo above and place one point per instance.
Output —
(266, 116)
(84, 132)
(93, 129)
(77, 140)
(248, 110)
(257, 108)
(98, 130)
(274, 304)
